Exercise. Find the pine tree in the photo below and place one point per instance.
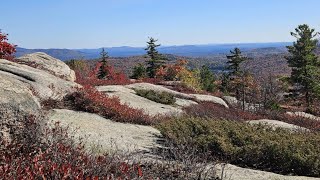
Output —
(304, 63)
(234, 62)
(207, 79)
(235, 59)
(103, 71)
(139, 71)
(156, 59)
(225, 82)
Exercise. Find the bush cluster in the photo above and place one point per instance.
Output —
(88, 99)
(308, 123)
(47, 151)
(40, 151)
(159, 97)
(257, 146)
(216, 111)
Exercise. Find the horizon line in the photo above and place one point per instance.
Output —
(208, 44)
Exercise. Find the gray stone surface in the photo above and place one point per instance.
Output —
(128, 96)
(304, 115)
(112, 136)
(230, 100)
(159, 88)
(209, 98)
(279, 124)
(49, 64)
(232, 172)
(42, 84)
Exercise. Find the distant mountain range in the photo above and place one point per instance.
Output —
(185, 50)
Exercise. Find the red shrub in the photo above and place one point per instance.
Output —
(90, 100)
(151, 80)
(39, 152)
(6, 49)
(212, 110)
(183, 89)
(296, 120)
(89, 77)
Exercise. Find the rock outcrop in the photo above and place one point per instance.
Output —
(22, 88)
(42, 84)
(247, 106)
(159, 88)
(128, 96)
(110, 135)
(279, 124)
(304, 115)
(232, 172)
(49, 64)
(209, 98)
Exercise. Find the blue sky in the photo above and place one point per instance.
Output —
(97, 23)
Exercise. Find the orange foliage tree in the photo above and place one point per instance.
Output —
(88, 76)
(171, 72)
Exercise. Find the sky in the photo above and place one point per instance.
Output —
(111, 23)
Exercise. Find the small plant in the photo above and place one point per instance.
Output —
(159, 97)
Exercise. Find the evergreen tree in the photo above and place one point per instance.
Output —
(139, 71)
(304, 62)
(156, 59)
(234, 61)
(103, 70)
(225, 82)
(206, 79)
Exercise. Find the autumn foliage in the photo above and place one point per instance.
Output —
(88, 99)
(87, 75)
(40, 152)
(6, 49)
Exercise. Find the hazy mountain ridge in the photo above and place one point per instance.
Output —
(184, 50)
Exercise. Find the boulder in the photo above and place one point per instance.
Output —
(279, 124)
(209, 98)
(247, 106)
(49, 64)
(16, 102)
(304, 115)
(231, 100)
(193, 97)
(129, 97)
(42, 84)
(159, 88)
(110, 135)
(232, 172)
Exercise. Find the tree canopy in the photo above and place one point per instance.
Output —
(304, 62)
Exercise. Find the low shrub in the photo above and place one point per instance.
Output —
(246, 145)
(159, 97)
(212, 110)
(308, 123)
(41, 151)
(87, 75)
(88, 99)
